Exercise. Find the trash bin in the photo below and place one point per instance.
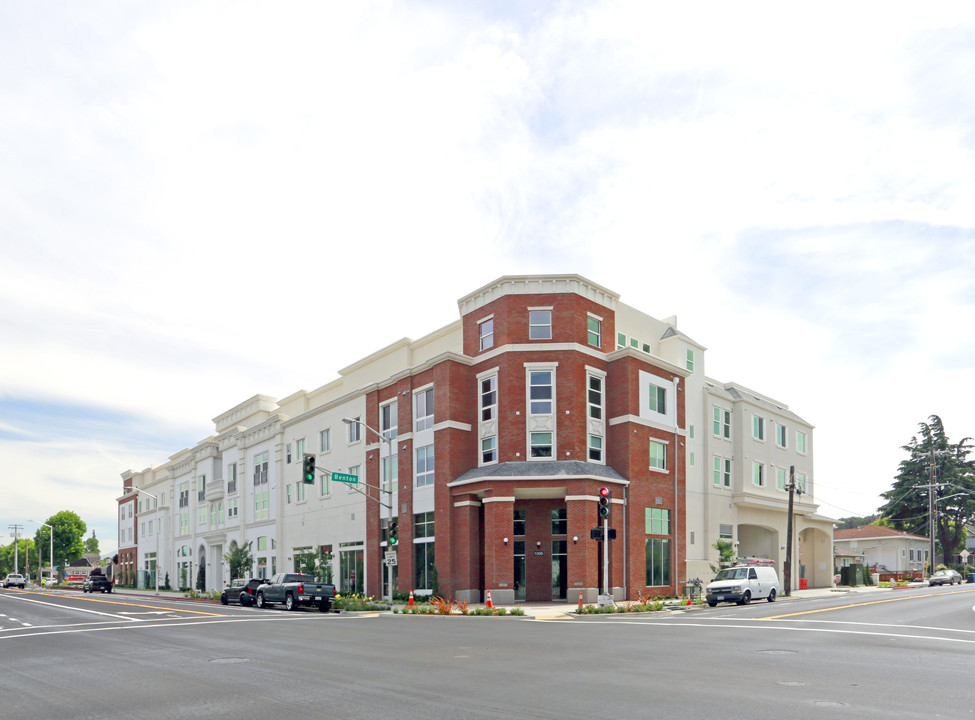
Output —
(803, 584)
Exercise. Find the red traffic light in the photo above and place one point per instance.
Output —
(603, 503)
(603, 492)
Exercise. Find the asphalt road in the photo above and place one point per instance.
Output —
(879, 655)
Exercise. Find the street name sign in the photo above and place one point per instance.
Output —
(345, 478)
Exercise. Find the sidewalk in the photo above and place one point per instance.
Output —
(564, 611)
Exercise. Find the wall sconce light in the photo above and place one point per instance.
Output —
(506, 541)
(575, 539)
(538, 543)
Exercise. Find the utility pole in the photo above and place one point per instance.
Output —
(791, 487)
(931, 487)
(16, 532)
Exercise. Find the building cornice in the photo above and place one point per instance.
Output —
(537, 285)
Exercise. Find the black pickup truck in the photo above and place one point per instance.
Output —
(97, 582)
(295, 590)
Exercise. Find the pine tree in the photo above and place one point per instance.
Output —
(954, 492)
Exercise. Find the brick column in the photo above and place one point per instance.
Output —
(499, 514)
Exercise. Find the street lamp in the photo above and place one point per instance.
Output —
(389, 491)
(156, 565)
(40, 571)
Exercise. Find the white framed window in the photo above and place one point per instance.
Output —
(780, 435)
(690, 360)
(355, 470)
(489, 450)
(300, 449)
(388, 473)
(758, 474)
(261, 461)
(539, 324)
(325, 440)
(780, 478)
(594, 334)
(287, 453)
(758, 427)
(424, 466)
(287, 494)
(801, 482)
(325, 485)
(354, 430)
(423, 405)
(721, 425)
(540, 392)
(485, 333)
(657, 397)
(658, 455)
(620, 341)
(540, 445)
(722, 471)
(300, 492)
(594, 397)
(232, 508)
(387, 420)
(262, 505)
(800, 442)
(489, 398)
(595, 448)
(657, 521)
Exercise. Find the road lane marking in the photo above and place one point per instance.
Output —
(116, 602)
(786, 628)
(152, 626)
(862, 604)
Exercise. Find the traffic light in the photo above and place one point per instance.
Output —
(393, 533)
(603, 503)
(308, 469)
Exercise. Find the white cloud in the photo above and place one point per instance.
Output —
(194, 186)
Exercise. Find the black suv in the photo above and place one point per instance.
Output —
(241, 591)
(96, 582)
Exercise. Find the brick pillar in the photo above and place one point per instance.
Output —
(584, 557)
(466, 559)
(499, 571)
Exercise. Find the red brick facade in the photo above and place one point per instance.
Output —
(553, 498)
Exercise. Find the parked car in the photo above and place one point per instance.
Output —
(97, 582)
(14, 580)
(945, 577)
(241, 591)
(295, 590)
(742, 584)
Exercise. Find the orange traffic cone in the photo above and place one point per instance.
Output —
(580, 599)
(411, 599)
(688, 601)
(490, 602)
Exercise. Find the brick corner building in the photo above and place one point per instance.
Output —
(490, 440)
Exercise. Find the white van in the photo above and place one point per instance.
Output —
(742, 584)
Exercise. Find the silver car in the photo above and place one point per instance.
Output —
(945, 577)
(14, 580)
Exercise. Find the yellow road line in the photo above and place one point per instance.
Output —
(129, 604)
(869, 602)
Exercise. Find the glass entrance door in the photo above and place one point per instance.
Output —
(559, 568)
(519, 558)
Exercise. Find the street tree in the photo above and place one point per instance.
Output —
(239, 559)
(26, 552)
(953, 492)
(69, 533)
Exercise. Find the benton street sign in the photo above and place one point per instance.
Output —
(346, 478)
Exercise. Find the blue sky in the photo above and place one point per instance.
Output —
(189, 188)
